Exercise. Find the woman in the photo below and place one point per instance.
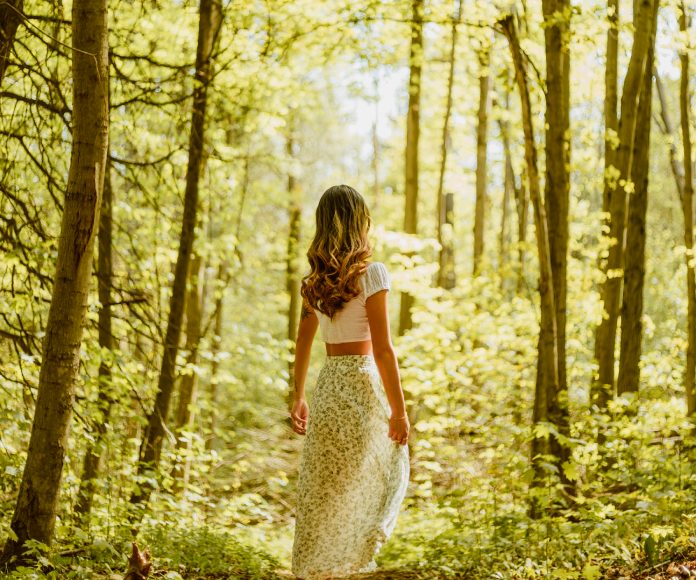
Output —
(354, 467)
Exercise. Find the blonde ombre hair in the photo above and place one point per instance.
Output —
(339, 251)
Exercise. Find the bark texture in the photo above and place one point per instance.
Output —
(412, 138)
(95, 450)
(37, 504)
(481, 159)
(557, 199)
(634, 270)
(688, 208)
(616, 176)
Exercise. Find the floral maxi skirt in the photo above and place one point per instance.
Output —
(352, 477)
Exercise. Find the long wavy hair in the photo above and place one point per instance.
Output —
(339, 251)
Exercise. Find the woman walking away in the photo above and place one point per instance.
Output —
(354, 466)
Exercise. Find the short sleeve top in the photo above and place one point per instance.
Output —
(350, 324)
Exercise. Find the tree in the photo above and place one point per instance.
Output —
(292, 280)
(548, 335)
(446, 275)
(189, 378)
(93, 454)
(412, 138)
(208, 28)
(37, 504)
(557, 200)
(617, 178)
(634, 271)
(688, 210)
(11, 13)
(481, 157)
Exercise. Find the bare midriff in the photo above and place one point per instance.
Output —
(347, 348)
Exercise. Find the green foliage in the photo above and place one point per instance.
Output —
(203, 551)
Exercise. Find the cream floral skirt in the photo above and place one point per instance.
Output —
(352, 477)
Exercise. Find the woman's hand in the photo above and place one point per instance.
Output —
(399, 428)
(299, 414)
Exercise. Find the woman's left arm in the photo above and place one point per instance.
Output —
(303, 348)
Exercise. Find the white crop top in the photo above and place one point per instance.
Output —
(350, 323)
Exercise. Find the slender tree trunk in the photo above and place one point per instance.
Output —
(522, 202)
(217, 341)
(611, 115)
(446, 277)
(91, 465)
(520, 193)
(600, 394)
(634, 271)
(209, 25)
(189, 379)
(548, 337)
(292, 280)
(412, 138)
(37, 504)
(10, 17)
(375, 149)
(688, 206)
(557, 200)
(481, 159)
(602, 387)
(508, 188)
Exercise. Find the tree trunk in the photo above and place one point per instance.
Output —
(189, 379)
(375, 148)
(412, 137)
(548, 336)
(481, 159)
(209, 25)
(602, 387)
(37, 504)
(217, 340)
(688, 207)
(508, 189)
(292, 280)
(634, 271)
(446, 277)
(91, 465)
(522, 202)
(10, 16)
(557, 200)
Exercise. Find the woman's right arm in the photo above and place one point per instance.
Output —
(385, 357)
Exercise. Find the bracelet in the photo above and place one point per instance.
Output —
(405, 416)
